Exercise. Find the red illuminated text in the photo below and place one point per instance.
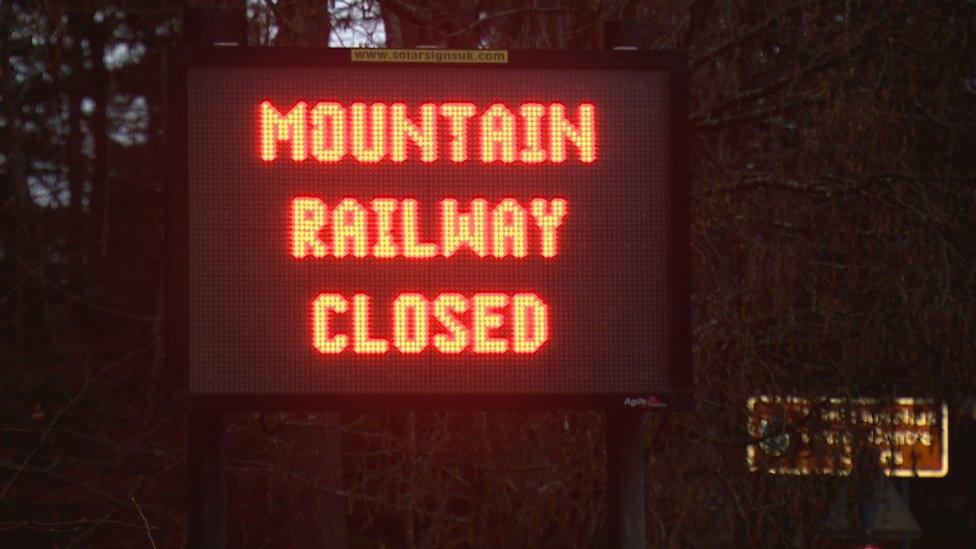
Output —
(485, 323)
(329, 131)
(387, 228)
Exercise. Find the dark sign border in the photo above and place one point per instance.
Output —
(177, 235)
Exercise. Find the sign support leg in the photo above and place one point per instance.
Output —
(625, 478)
(206, 513)
(625, 434)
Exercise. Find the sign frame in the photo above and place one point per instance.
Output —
(180, 58)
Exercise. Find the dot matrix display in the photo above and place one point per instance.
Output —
(429, 230)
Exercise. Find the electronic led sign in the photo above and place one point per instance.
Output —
(347, 233)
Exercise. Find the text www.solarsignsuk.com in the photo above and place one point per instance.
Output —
(430, 56)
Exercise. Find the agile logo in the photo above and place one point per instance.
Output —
(649, 401)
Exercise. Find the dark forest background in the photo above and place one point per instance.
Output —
(833, 246)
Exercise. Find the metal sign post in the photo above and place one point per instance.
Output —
(625, 478)
(625, 435)
(206, 487)
(206, 524)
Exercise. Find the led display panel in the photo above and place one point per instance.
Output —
(429, 234)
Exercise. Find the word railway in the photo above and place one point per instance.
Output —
(500, 231)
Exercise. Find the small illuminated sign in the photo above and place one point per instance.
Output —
(798, 436)
(429, 234)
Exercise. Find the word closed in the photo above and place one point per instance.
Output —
(460, 324)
